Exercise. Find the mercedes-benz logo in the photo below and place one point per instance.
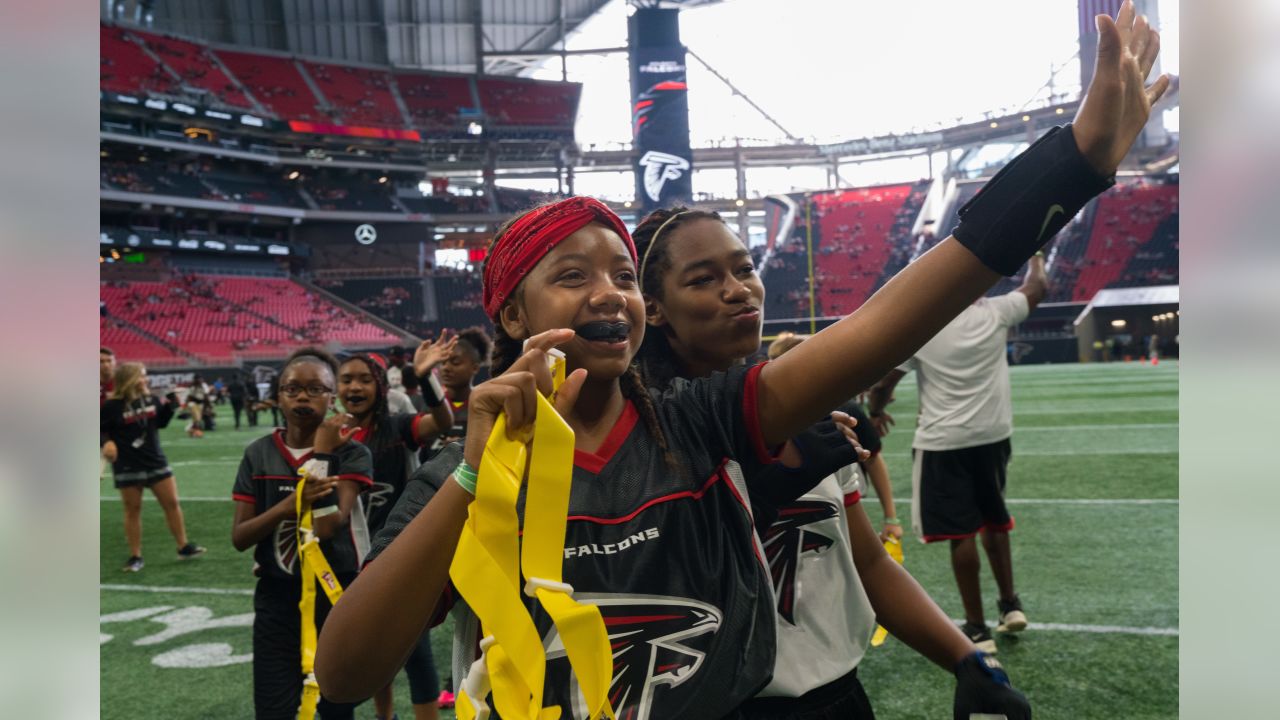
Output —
(366, 234)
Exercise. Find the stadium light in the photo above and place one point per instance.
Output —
(294, 175)
(1058, 111)
(995, 124)
(1118, 323)
(1157, 318)
(1026, 118)
(382, 180)
(739, 202)
(626, 203)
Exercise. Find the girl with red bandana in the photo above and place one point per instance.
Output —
(659, 533)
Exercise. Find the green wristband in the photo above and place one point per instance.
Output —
(892, 521)
(465, 475)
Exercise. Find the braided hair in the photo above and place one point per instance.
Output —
(381, 411)
(658, 362)
(506, 350)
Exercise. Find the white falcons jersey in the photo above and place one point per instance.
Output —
(825, 620)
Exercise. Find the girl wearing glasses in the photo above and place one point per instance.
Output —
(339, 469)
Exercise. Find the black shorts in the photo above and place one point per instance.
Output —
(277, 657)
(840, 699)
(138, 477)
(957, 493)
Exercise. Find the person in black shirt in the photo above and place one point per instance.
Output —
(704, 304)
(266, 520)
(129, 423)
(469, 356)
(394, 440)
(236, 394)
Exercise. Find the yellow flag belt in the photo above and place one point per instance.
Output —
(490, 561)
(314, 567)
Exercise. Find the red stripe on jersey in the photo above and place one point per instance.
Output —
(413, 428)
(852, 498)
(362, 479)
(294, 463)
(693, 494)
(751, 412)
(746, 508)
(241, 497)
(595, 462)
(633, 619)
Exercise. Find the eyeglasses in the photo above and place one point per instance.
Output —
(311, 390)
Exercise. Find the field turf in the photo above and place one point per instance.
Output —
(1093, 486)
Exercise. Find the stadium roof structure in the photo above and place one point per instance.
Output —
(443, 35)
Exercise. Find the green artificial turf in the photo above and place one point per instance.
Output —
(1102, 576)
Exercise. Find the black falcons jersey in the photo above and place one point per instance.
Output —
(134, 428)
(456, 432)
(269, 473)
(395, 456)
(665, 549)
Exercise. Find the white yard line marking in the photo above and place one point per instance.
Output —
(109, 498)
(1062, 453)
(186, 590)
(1117, 426)
(1076, 501)
(1098, 629)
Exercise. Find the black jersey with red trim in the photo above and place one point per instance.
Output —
(455, 433)
(395, 448)
(135, 429)
(269, 473)
(666, 549)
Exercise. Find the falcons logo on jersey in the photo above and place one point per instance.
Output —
(786, 540)
(286, 544)
(658, 643)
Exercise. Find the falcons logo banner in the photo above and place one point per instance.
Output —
(658, 642)
(786, 541)
(659, 109)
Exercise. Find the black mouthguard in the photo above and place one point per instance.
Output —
(612, 331)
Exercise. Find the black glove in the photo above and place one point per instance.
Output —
(983, 688)
(823, 450)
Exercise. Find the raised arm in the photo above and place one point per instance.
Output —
(425, 359)
(1035, 285)
(1003, 226)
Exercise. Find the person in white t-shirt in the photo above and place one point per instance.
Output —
(961, 448)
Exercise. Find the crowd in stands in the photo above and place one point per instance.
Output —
(124, 67)
(276, 83)
(522, 102)
(433, 101)
(196, 68)
(360, 96)
(347, 94)
(857, 234)
(215, 318)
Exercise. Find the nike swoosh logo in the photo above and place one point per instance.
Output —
(1048, 218)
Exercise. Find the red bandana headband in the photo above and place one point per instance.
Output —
(533, 236)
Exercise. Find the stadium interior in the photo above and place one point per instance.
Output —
(331, 173)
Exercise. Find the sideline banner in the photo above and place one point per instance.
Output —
(663, 162)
